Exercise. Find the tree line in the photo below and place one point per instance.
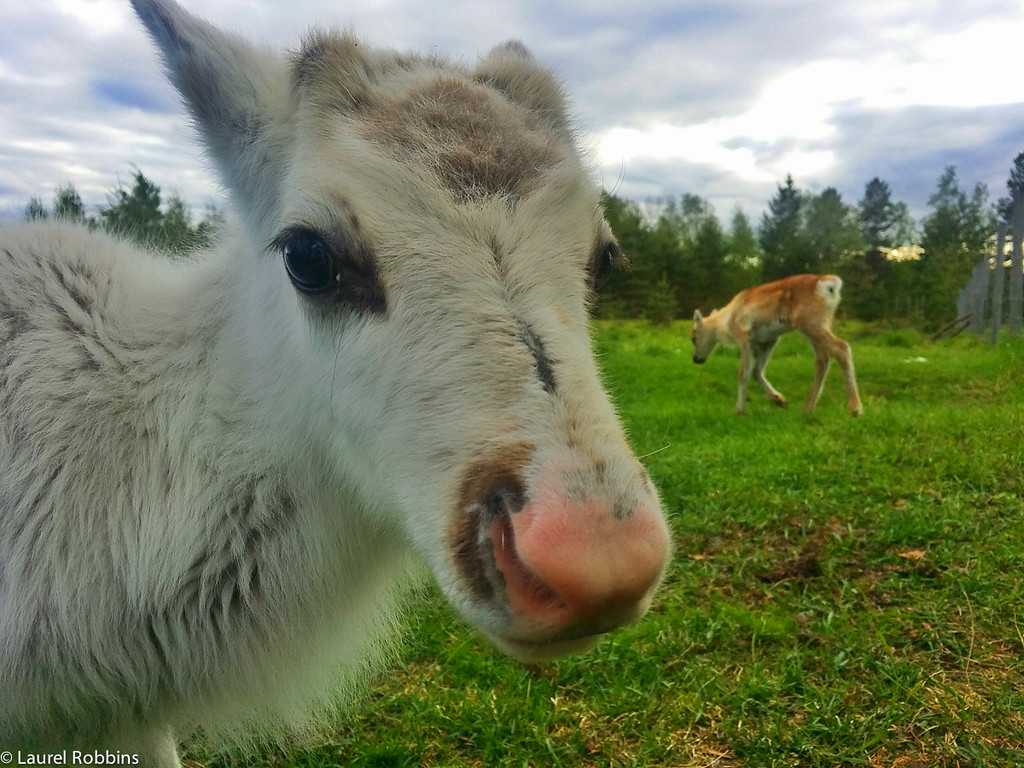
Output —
(685, 259)
(137, 213)
(892, 266)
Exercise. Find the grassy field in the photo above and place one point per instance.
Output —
(844, 592)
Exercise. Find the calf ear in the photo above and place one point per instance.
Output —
(698, 318)
(511, 69)
(237, 92)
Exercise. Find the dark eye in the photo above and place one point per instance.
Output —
(604, 262)
(338, 271)
(308, 261)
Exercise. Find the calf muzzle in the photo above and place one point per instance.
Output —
(563, 567)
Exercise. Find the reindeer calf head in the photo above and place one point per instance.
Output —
(704, 335)
(434, 240)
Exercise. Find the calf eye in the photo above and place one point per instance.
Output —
(338, 269)
(308, 261)
(607, 257)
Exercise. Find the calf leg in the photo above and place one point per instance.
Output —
(821, 362)
(841, 352)
(762, 354)
(746, 366)
(827, 346)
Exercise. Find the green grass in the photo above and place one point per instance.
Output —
(844, 592)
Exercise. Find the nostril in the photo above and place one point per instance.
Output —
(504, 500)
(555, 562)
(525, 592)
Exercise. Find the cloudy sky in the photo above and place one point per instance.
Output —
(718, 98)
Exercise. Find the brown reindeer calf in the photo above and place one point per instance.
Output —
(758, 316)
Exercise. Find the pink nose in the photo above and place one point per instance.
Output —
(576, 567)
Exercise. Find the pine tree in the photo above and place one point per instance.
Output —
(787, 250)
(35, 210)
(955, 236)
(67, 204)
(743, 245)
(1015, 186)
(878, 215)
(210, 227)
(743, 258)
(869, 277)
(176, 231)
(624, 293)
(709, 266)
(135, 215)
(832, 229)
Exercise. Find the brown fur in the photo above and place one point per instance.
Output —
(451, 124)
(758, 316)
(499, 476)
(475, 146)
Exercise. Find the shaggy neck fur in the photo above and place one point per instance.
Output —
(152, 462)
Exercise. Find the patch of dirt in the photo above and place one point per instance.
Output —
(805, 567)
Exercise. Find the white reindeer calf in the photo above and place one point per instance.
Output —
(213, 472)
(758, 316)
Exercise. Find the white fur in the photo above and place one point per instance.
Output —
(210, 485)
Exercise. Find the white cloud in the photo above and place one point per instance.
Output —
(101, 16)
(722, 100)
(696, 144)
(789, 126)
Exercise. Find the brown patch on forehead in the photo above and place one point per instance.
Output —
(474, 141)
(339, 75)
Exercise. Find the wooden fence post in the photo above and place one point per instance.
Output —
(979, 295)
(1016, 268)
(997, 283)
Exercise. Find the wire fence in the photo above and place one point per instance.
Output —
(992, 297)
